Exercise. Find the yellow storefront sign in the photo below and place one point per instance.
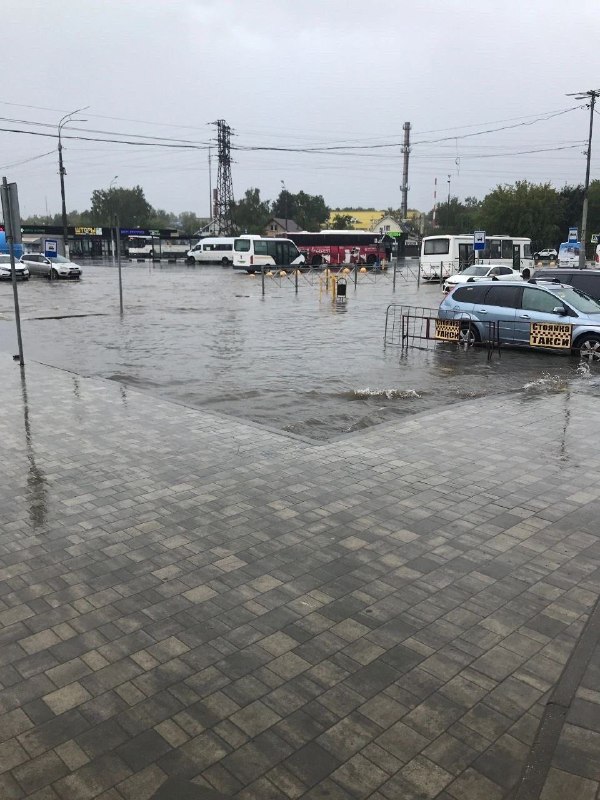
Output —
(550, 334)
(448, 330)
(88, 231)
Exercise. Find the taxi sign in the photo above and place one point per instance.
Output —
(550, 334)
(447, 330)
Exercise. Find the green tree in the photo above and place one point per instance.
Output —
(130, 206)
(251, 214)
(454, 217)
(189, 223)
(159, 218)
(523, 209)
(308, 211)
(342, 222)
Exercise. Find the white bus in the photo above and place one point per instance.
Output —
(212, 250)
(445, 255)
(250, 253)
(146, 246)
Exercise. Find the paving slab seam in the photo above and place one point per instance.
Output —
(538, 762)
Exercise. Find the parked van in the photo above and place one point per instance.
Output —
(212, 250)
(568, 254)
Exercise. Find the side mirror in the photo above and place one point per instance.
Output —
(560, 310)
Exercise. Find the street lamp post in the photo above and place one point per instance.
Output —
(62, 172)
(591, 95)
(285, 200)
(448, 212)
(113, 232)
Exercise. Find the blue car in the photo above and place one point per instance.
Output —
(534, 314)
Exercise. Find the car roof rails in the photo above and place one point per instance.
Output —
(544, 280)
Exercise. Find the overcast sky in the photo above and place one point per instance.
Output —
(297, 74)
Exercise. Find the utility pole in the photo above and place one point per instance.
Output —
(592, 94)
(448, 212)
(406, 153)
(62, 171)
(210, 194)
(285, 199)
(224, 203)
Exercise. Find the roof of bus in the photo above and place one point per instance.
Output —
(470, 236)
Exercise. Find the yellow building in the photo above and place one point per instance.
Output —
(362, 220)
(365, 220)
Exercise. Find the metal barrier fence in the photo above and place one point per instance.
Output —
(418, 326)
(352, 274)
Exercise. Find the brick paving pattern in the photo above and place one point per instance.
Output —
(189, 600)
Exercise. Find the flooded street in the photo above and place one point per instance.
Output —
(207, 338)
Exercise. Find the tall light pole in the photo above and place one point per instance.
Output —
(448, 213)
(285, 201)
(110, 219)
(62, 172)
(592, 94)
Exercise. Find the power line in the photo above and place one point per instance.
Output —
(112, 141)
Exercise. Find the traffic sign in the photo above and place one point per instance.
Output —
(594, 239)
(479, 240)
(573, 235)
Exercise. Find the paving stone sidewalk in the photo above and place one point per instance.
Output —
(187, 597)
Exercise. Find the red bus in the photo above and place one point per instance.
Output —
(332, 248)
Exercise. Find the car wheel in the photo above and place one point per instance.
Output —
(53, 275)
(589, 347)
(190, 261)
(469, 335)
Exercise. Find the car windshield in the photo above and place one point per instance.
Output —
(476, 271)
(4, 260)
(61, 260)
(578, 300)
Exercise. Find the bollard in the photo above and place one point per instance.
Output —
(394, 280)
(262, 275)
(356, 275)
(296, 281)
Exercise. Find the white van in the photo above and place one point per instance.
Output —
(212, 250)
(568, 254)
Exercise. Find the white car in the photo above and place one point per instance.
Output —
(21, 271)
(549, 252)
(482, 272)
(56, 267)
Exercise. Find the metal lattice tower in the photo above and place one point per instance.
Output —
(223, 203)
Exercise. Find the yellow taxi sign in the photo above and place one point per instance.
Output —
(448, 330)
(550, 334)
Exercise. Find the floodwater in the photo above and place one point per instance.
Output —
(206, 337)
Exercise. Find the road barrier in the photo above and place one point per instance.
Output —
(417, 326)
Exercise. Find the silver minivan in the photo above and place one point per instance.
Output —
(525, 315)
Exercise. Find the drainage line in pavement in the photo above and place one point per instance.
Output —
(537, 765)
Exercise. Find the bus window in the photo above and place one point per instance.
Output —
(242, 245)
(260, 248)
(436, 247)
(496, 249)
(507, 248)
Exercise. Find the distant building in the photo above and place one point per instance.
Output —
(279, 227)
(361, 220)
(388, 224)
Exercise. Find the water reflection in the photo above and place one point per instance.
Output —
(37, 485)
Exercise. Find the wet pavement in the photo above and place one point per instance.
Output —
(207, 338)
(192, 605)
